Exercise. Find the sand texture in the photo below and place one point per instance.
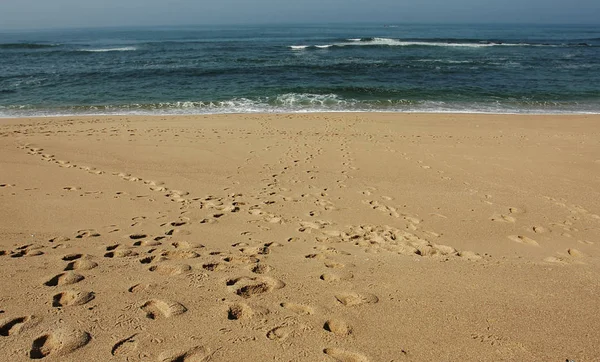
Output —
(306, 237)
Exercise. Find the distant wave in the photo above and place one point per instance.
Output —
(103, 50)
(456, 43)
(302, 47)
(27, 46)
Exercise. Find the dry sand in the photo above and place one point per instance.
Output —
(314, 237)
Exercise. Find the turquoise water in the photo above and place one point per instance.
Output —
(194, 70)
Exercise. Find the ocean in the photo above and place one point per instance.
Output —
(301, 68)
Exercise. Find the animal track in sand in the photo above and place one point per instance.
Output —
(155, 309)
(354, 299)
(66, 278)
(338, 327)
(298, 308)
(196, 354)
(170, 269)
(58, 343)
(248, 287)
(72, 298)
(523, 240)
(341, 355)
(10, 327)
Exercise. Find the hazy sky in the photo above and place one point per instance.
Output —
(25, 14)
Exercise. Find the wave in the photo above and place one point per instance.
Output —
(453, 43)
(303, 47)
(307, 103)
(103, 50)
(27, 46)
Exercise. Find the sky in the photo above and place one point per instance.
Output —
(36, 14)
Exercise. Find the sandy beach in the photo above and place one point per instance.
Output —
(300, 237)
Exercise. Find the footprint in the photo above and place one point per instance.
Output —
(72, 298)
(64, 279)
(260, 268)
(186, 245)
(353, 299)
(121, 253)
(155, 309)
(170, 269)
(87, 234)
(71, 257)
(139, 288)
(341, 355)
(523, 240)
(196, 354)
(555, 260)
(124, 346)
(137, 236)
(10, 327)
(338, 327)
(239, 311)
(81, 264)
(213, 266)
(279, 333)
(180, 254)
(575, 253)
(58, 343)
(333, 265)
(248, 287)
(503, 218)
(335, 277)
(298, 308)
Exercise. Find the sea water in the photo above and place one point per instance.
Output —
(301, 68)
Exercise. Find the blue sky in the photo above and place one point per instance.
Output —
(24, 14)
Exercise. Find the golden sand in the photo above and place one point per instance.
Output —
(305, 237)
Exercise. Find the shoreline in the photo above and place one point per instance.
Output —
(315, 114)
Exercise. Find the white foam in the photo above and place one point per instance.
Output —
(324, 46)
(397, 42)
(102, 50)
(298, 47)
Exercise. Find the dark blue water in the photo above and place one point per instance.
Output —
(425, 68)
